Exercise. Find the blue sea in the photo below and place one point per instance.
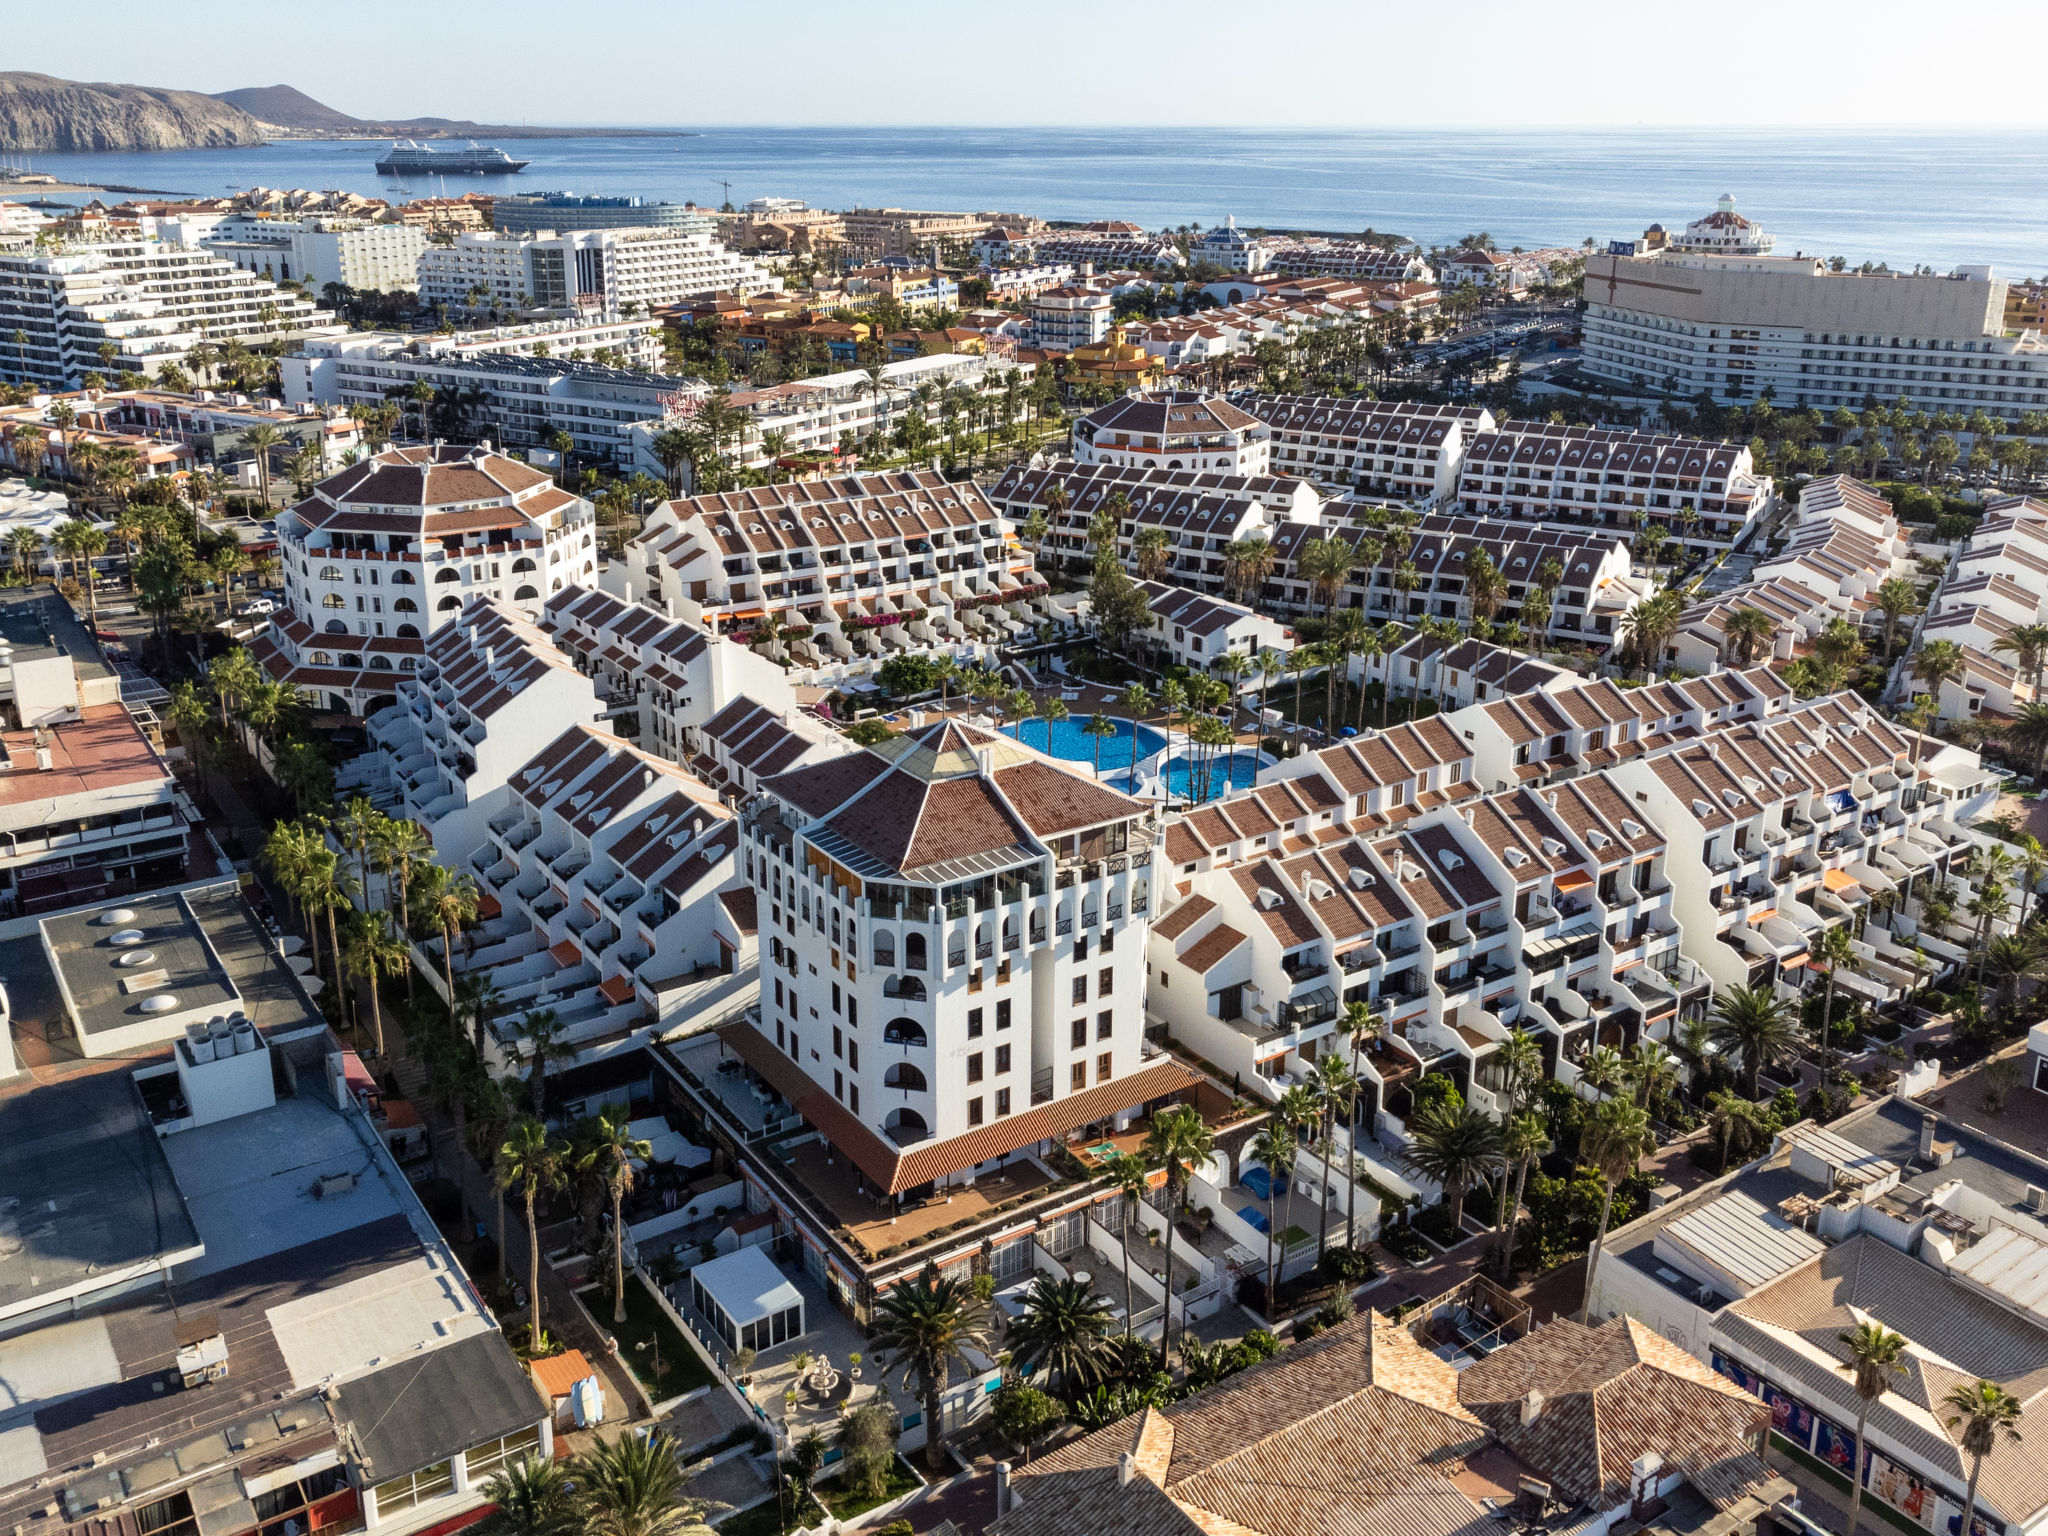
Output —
(1937, 197)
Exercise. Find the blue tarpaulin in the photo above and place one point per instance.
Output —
(1256, 1217)
(1841, 800)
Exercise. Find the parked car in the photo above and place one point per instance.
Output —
(261, 605)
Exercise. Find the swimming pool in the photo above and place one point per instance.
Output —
(1237, 770)
(1065, 738)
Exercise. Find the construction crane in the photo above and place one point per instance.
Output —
(728, 189)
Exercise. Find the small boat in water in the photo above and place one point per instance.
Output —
(411, 159)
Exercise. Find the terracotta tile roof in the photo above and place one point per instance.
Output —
(743, 907)
(1214, 947)
(1183, 917)
(1053, 801)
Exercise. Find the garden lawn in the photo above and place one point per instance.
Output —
(846, 1502)
(682, 1368)
(763, 1520)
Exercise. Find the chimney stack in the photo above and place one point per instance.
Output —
(1126, 1469)
(1927, 1125)
(1002, 1489)
(43, 759)
(629, 594)
(1532, 1405)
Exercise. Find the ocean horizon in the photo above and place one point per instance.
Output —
(1936, 197)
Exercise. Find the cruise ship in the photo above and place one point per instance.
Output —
(411, 159)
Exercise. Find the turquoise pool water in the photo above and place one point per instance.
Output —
(1065, 738)
(1233, 771)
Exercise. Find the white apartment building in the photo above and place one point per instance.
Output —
(1381, 448)
(389, 550)
(1995, 584)
(319, 249)
(854, 567)
(1225, 245)
(1350, 258)
(148, 301)
(1591, 582)
(1196, 631)
(1456, 673)
(1724, 232)
(1025, 282)
(610, 271)
(1172, 430)
(955, 969)
(1065, 318)
(1734, 326)
(1540, 472)
(488, 686)
(606, 867)
(516, 398)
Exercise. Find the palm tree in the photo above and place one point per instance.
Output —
(1874, 1356)
(1138, 701)
(921, 1327)
(1525, 1138)
(2010, 959)
(1457, 1146)
(531, 1162)
(1102, 728)
(1359, 1025)
(452, 907)
(259, 440)
(397, 847)
(1335, 1085)
(1984, 1410)
(1065, 1328)
(632, 1485)
(2027, 644)
(1939, 662)
(1275, 1147)
(1748, 631)
(1832, 950)
(355, 827)
(1896, 599)
(1180, 1142)
(1150, 551)
(1757, 1024)
(612, 1152)
(1132, 1180)
(1612, 1141)
(540, 1035)
(1648, 1069)
(1602, 1068)
(375, 952)
(533, 1497)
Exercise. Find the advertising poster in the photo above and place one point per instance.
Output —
(1834, 1445)
(1899, 1488)
(1742, 1378)
(1791, 1419)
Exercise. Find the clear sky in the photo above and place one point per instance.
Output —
(1309, 63)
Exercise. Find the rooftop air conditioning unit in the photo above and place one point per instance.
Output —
(2037, 1198)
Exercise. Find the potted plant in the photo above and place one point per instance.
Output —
(743, 1365)
(853, 1365)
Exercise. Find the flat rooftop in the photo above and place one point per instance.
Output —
(37, 622)
(107, 983)
(103, 749)
(87, 1188)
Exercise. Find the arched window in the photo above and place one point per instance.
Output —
(404, 605)
(913, 951)
(525, 594)
(330, 573)
(408, 664)
(885, 950)
(903, 1032)
(448, 573)
(336, 627)
(522, 564)
(408, 631)
(903, 1075)
(557, 586)
(351, 659)
(380, 663)
(590, 567)
(320, 659)
(448, 604)
(403, 578)
(333, 600)
(905, 1126)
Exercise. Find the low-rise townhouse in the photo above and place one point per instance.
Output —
(443, 754)
(1993, 586)
(603, 876)
(1702, 642)
(856, 566)
(1173, 430)
(1026, 282)
(1590, 578)
(662, 680)
(1197, 631)
(1456, 673)
(1380, 448)
(1509, 272)
(1542, 472)
(386, 552)
(1350, 258)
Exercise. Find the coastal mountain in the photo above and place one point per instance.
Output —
(291, 109)
(41, 112)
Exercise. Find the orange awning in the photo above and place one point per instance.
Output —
(618, 988)
(1794, 963)
(558, 1374)
(1628, 965)
(566, 952)
(1839, 880)
(1757, 917)
(1573, 880)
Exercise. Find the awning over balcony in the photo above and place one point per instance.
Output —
(566, 952)
(1838, 880)
(619, 989)
(1573, 880)
(1570, 934)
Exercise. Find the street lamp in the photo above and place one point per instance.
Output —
(652, 1341)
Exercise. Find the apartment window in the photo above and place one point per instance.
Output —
(835, 997)
(1105, 982)
(974, 1067)
(974, 1111)
(853, 1012)
(1102, 1067)
(853, 1098)
(1081, 947)
(1002, 1102)
(1002, 1013)
(1080, 1033)
(974, 1023)
(853, 1054)
(838, 1085)
(1105, 1023)
(1080, 989)
(414, 1488)
(1077, 1079)
(836, 1049)
(1002, 1060)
